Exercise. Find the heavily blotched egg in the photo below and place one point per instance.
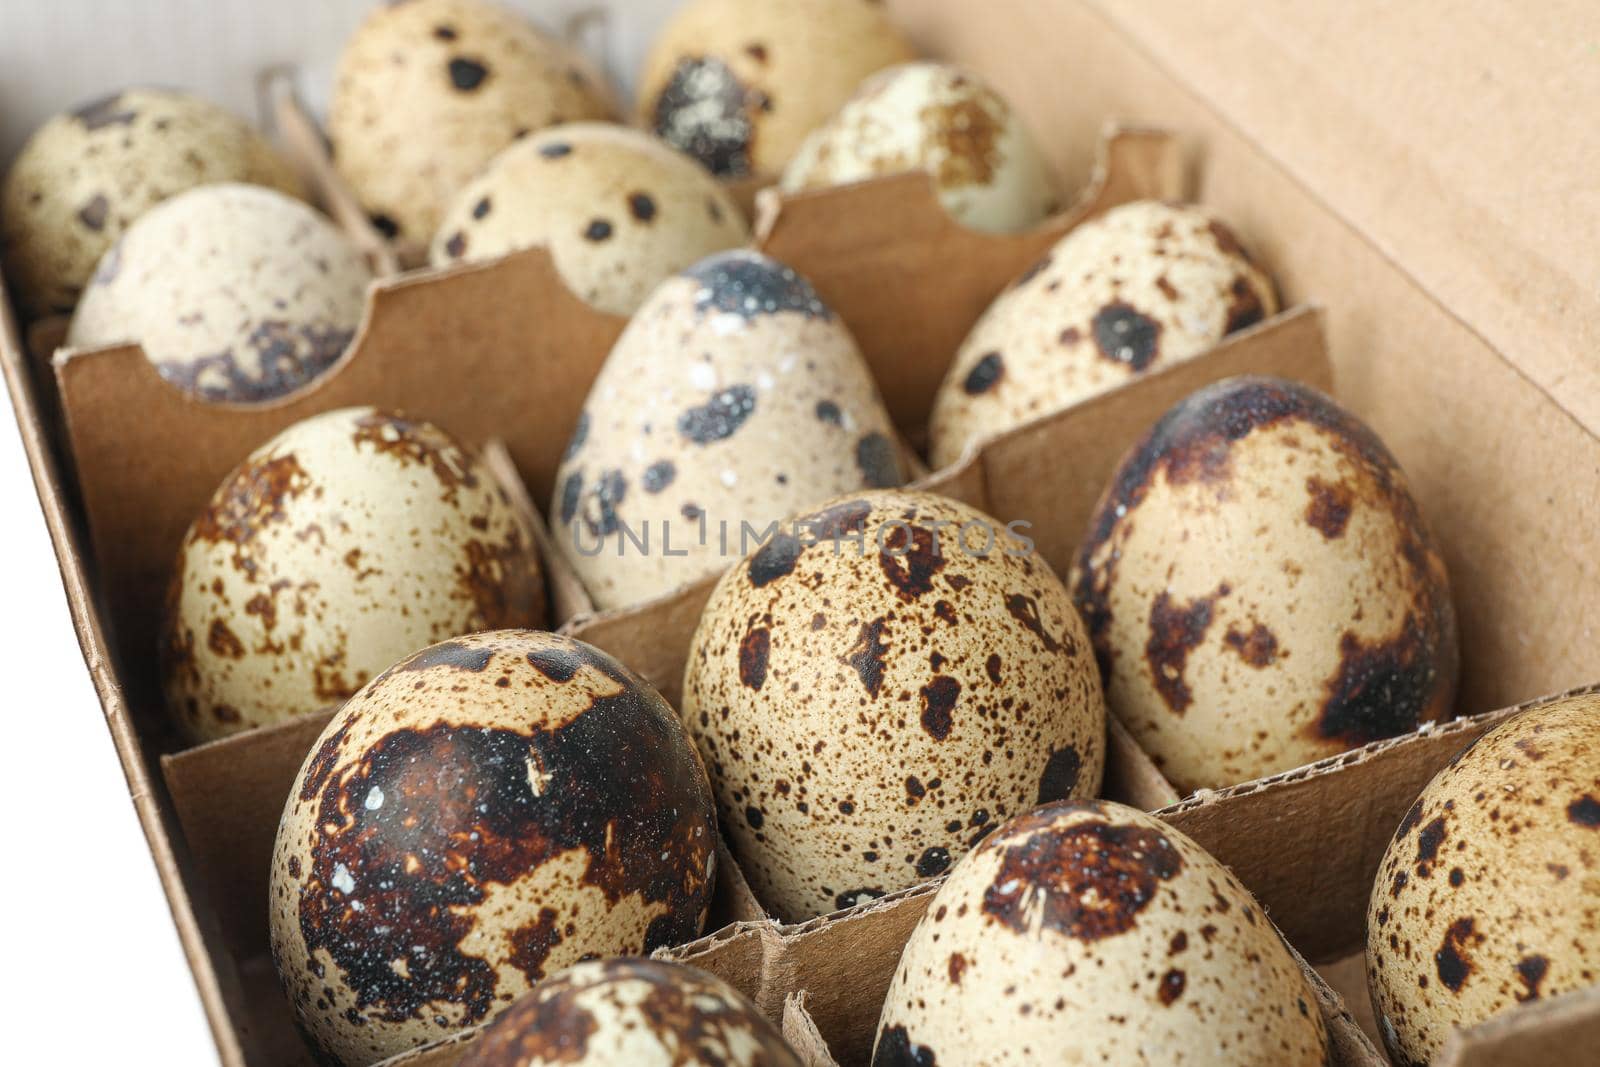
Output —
(1141, 287)
(346, 541)
(85, 176)
(1486, 898)
(618, 210)
(1261, 589)
(487, 811)
(733, 399)
(428, 91)
(879, 686)
(985, 166)
(237, 293)
(1093, 933)
(634, 1012)
(738, 84)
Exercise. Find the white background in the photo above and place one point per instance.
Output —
(94, 972)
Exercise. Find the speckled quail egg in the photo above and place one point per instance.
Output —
(738, 84)
(1142, 287)
(237, 293)
(1093, 933)
(1261, 589)
(487, 811)
(618, 210)
(632, 1013)
(1487, 897)
(880, 685)
(85, 176)
(428, 91)
(734, 397)
(346, 541)
(986, 169)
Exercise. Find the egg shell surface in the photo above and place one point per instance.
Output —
(236, 293)
(649, 1013)
(733, 397)
(347, 541)
(1488, 896)
(619, 211)
(85, 176)
(738, 84)
(1261, 588)
(986, 169)
(1144, 286)
(873, 693)
(427, 92)
(1092, 933)
(489, 810)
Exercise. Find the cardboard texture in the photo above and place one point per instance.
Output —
(1457, 324)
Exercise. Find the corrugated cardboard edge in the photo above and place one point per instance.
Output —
(802, 1034)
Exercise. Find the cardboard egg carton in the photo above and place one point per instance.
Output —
(1459, 325)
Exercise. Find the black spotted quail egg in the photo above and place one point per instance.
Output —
(1142, 287)
(1261, 588)
(237, 293)
(85, 176)
(738, 84)
(618, 210)
(880, 685)
(632, 1013)
(346, 541)
(734, 398)
(428, 91)
(487, 811)
(1487, 898)
(1090, 932)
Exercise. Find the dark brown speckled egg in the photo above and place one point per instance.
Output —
(633, 1012)
(1093, 933)
(484, 813)
(1488, 897)
(1261, 588)
(880, 685)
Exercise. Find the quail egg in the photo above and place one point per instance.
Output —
(487, 811)
(880, 685)
(341, 544)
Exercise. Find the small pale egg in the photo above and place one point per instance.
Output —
(346, 541)
(986, 168)
(738, 84)
(427, 92)
(1142, 287)
(619, 211)
(85, 176)
(634, 1012)
(486, 812)
(1090, 932)
(237, 293)
(1486, 898)
(734, 398)
(1261, 589)
(879, 686)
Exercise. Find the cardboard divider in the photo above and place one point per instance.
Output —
(800, 1030)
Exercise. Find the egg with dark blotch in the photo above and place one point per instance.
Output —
(879, 686)
(738, 84)
(1487, 897)
(1142, 287)
(85, 176)
(649, 1013)
(1261, 588)
(618, 210)
(236, 293)
(427, 92)
(345, 542)
(1108, 937)
(734, 398)
(486, 812)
